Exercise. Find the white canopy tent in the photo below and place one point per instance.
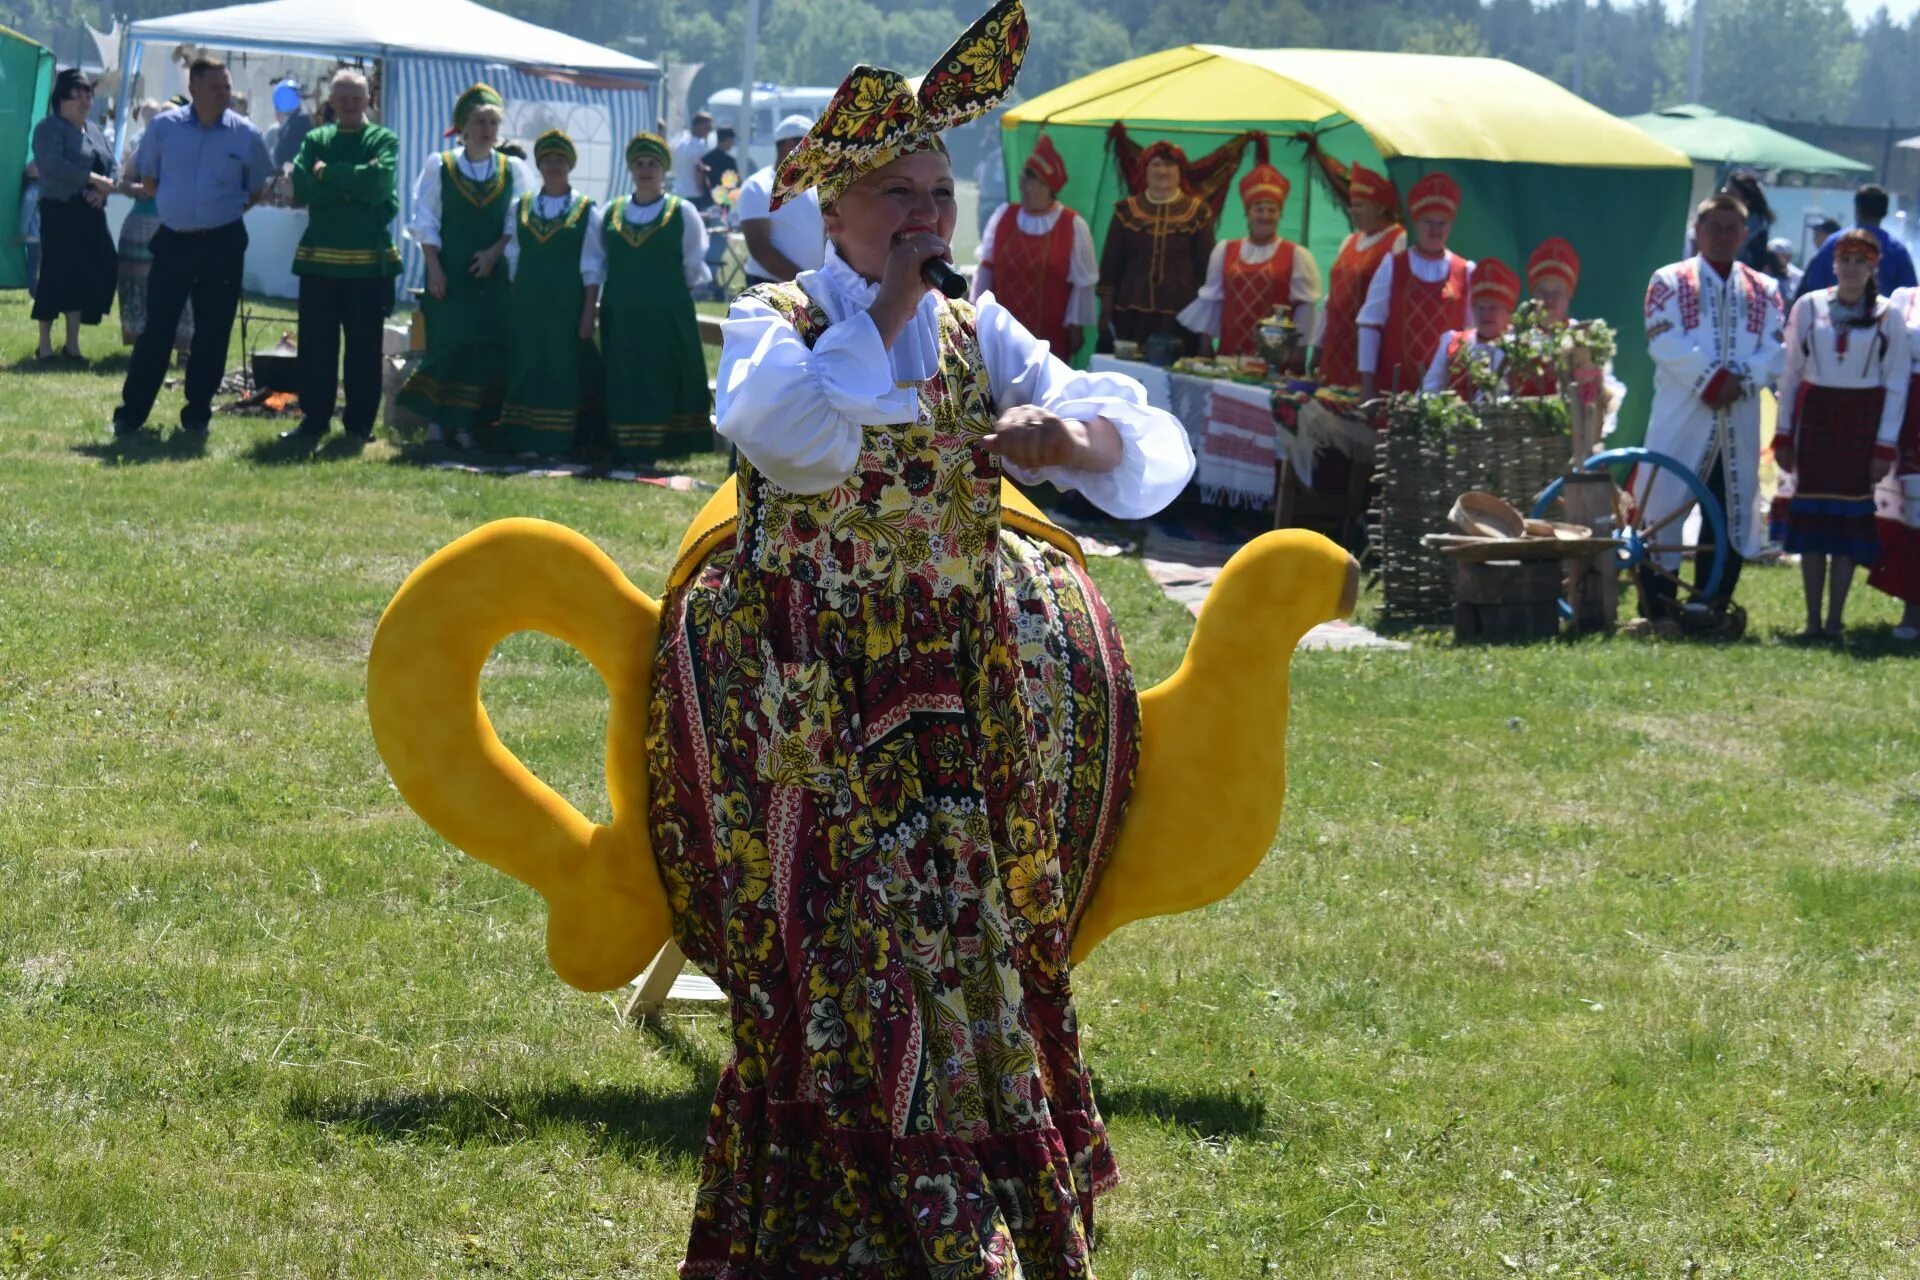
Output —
(422, 54)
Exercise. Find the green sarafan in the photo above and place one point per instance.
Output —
(1584, 959)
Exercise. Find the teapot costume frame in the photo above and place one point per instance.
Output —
(876, 761)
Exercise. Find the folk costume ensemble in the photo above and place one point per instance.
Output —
(1348, 280)
(1247, 282)
(346, 263)
(553, 255)
(891, 741)
(657, 397)
(1155, 257)
(462, 206)
(1897, 572)
(1454, 359)
(1843, 398)
(1041, 266)
(1413, 300)
(1552, 259)
(1706, 324)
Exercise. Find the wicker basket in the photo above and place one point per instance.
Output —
(1435, 450)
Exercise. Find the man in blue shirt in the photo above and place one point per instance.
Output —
(1870, 205)
(204, 165)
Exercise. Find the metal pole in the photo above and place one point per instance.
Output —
(744, 125)
(1697, 57)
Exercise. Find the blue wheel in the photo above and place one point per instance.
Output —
(1650, 535)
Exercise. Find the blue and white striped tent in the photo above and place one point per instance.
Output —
(426, 52)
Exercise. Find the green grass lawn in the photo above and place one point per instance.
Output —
(1584, 959)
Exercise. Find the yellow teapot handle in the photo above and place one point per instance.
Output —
(607, 911)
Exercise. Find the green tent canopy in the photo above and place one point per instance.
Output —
(1532, 159)
(1711, 138)
(26, 78)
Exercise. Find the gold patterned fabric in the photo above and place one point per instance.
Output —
(877, 115)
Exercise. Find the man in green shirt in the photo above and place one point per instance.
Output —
(344, 175)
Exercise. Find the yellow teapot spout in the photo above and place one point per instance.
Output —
(1213, 737)
(607, 910)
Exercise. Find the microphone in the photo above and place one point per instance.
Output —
(940, 274)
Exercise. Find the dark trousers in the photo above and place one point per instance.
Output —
(1661, 595)
(329, 306)
(204, 267)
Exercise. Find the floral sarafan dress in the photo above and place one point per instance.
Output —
(892, 740)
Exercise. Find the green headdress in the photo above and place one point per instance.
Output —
(554, 142)
(481, 95)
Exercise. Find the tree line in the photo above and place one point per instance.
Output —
(1784, 59)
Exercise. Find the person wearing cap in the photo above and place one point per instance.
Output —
(782, 242)
(462, 201)
(78, 266)
(292, 123)
(1037, 257)
(1248, 279)
(1553, 272)
(1843, 398)
(689, 176)
(1714, 332)
(1465, 356)
(910, 724)
(556, 264)
(1871, 204)
(1372, 208)
(656, 373)
(1155, 258)
(1417, 296)
(1780, 249)
(204, 165)
(1897, 573)
(345, 173)
(1825, 230)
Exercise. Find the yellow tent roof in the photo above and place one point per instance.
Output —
(1411, 104)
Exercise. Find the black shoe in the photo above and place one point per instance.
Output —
(121, 431)
(305, 431)
(198, 430)
(362, 434)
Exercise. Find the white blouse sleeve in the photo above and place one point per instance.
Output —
(1083, 274)
(1895, 375)
(423, 223)
(1800, 326)
(1202, 315)
(1373, 315)
(521, 179)
(983, 273)
(693, 247)
(593, 250)
(1156, 460)
(798, 414)
(1305, 294)
(1436, 380)
(512, 252)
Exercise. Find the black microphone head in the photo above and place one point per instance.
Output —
(943, 277)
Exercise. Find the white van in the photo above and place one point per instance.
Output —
(772, 103)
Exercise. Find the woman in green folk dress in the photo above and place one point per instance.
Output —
(461, 202)
(656, 247)
(557, 264)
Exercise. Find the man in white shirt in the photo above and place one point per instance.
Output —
(1714, 330)
(689, 152)
(783, 242)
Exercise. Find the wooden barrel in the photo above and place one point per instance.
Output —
(1507, 600)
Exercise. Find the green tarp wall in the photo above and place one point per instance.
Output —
(26, 78)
